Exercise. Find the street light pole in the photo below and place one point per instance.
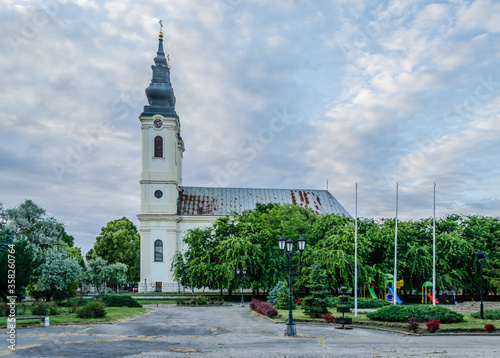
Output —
(482, 307)
(290, 325)
(288, 244)
(481, 257)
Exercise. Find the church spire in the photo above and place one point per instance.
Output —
(160, 93)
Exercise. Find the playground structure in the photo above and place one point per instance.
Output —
(389, 285)
(384, 294)
(448, 297)
(427, 293)
(370, 288)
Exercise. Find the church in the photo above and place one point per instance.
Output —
(169, 209)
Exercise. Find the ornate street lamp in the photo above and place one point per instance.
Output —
(242, 279)
(282, 243)
(481, 256)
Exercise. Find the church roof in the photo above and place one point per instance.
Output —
(223, 201)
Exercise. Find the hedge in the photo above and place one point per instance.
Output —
(362, 302)
(423, 313)
(488, 314)
(118, 301)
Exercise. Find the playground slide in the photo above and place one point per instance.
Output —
(372, 293)
(432, 298)
(398, 300)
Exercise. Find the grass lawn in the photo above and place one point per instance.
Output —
(113, 314)
(469, 324)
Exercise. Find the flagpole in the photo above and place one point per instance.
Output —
(356, 255)
(434, 251)
(395, 280)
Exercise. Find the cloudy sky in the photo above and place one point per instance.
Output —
(296, 93)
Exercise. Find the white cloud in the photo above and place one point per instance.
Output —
(363, 86)
(480, 15)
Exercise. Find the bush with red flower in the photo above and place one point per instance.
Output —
(489, 328)
(329, 318)
(432, 325)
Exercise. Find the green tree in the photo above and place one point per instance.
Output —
(23, 256)
(179, 269)
(242, 240)
(29, 223)
(317, 303)
(76, 252)
(118, 272)
(272, 298)
(119, 241)
(283, 299)
(97, 274)
(57, 271)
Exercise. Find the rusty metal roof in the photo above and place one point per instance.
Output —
(223, 201)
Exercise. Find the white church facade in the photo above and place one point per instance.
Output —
(169, 209)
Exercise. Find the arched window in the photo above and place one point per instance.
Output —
(158, 147)
(158, 250)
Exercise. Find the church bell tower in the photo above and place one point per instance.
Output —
(161, 176)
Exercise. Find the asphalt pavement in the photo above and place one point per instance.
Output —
(233, 331)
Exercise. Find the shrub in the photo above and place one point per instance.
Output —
(489, 328)
(266, 309)
(329, 318)
(297, 301)
(488, 314)
(432, 325)
(412, 325)
(198, 301)
(118, 301)
(216, 301)
(362, 302)
(283, 298)
(53, 309)
(254, 303)
(93, 309)
(72, 302)
(39, 308)
(394, 313)
(272, 298)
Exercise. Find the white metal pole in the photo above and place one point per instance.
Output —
(434, 251)
(394, 284)
(356, 255)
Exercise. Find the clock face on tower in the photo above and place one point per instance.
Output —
(158, 194)
(158, 123)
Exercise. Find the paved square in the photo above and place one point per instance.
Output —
(233, 331)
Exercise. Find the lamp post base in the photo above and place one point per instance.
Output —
(290, 330)
(242, 304)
